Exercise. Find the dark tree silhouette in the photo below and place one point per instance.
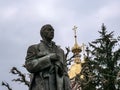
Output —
(105, 55)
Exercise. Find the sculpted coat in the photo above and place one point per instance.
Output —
(47, 73)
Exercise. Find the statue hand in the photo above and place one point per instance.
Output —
(54, 57)
(41, 54)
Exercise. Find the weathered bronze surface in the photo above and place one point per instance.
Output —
(47, 64)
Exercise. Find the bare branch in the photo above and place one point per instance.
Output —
(68, 51)
(6, 85)
(22, 76)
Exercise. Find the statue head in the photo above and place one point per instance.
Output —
(47, 32)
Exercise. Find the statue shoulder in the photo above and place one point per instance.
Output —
(31, 51)
(33, 47)
(59, 48)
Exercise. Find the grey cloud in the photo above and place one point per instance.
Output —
(20, 27)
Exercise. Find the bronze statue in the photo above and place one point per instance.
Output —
(47, 64)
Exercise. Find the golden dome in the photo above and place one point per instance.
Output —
(76, 67)
(76, 49)
(74, 70)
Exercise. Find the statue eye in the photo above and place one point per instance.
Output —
(49, 29)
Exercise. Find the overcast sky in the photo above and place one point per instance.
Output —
(21, 20)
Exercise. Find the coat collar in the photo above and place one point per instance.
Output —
(52, 43)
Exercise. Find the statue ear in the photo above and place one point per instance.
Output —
(43, 36)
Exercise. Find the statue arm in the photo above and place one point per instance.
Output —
(65, 65)
(62, 63)
(66, 77)
(34, 64)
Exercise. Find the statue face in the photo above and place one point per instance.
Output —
(49, 33)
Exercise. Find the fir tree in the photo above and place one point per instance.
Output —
(105, 57)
